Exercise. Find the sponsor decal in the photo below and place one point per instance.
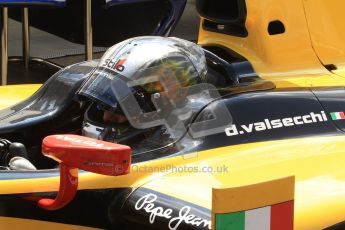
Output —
(98, 164)
(116, 65)
(337, 116)
(147, 203)
(268, 124)
(79, 141)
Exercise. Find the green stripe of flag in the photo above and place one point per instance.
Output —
(230, 221)
(334, 116)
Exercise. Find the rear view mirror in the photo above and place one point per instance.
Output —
(75, 152)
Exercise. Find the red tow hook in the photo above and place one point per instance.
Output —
(67, 190)
(75, 152)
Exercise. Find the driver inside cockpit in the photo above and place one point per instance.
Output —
(135, 88)
(138, 95)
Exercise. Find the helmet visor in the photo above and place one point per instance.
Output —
(105, 87)
(113, 88)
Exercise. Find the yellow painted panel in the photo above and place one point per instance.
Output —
(20, 224)
(253, 196)
(316, 163)
(12, 94)
(327, 29)
(290, 59)
(287, 54)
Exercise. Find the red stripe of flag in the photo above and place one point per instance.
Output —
(282, 216)
(342, 116)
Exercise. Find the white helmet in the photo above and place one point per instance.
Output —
(129, 74)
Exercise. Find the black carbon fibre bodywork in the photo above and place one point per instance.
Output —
(332, 100)
(258, 108)
(52, 109)
(147, 209)
(90, 208)
(111, 209)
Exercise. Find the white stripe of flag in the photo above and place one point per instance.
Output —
(258, 219)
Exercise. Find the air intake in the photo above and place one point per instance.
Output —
(224, 16)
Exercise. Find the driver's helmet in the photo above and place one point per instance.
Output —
(129, 75)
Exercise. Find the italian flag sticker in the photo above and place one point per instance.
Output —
(337, 116)
(263, 206)
(274, 217)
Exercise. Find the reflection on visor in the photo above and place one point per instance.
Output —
(114, 134)
(134, 91)
(99, 87)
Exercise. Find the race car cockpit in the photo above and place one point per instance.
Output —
(143, 92)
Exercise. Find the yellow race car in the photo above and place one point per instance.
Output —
(244, 131)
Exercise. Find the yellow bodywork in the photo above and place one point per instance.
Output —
(12, 94)
(314, 37)
(316, 163)
(17, 224)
